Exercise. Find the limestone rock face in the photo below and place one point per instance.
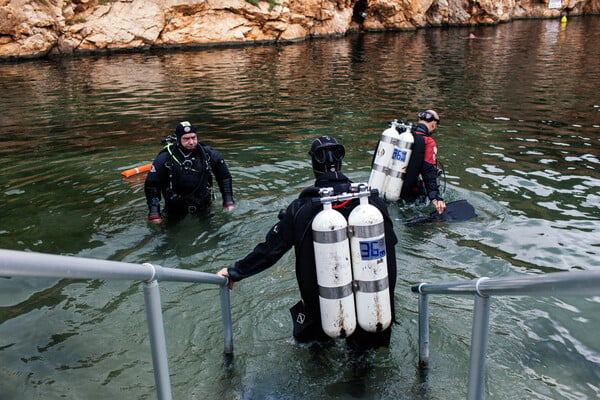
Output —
(36, 28)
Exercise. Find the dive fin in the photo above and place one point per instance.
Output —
(456, 211)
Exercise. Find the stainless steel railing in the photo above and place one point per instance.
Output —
(40, 265)
(578, 283)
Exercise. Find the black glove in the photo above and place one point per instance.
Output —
(227, 192)
(154, 212)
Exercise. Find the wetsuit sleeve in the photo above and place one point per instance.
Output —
(278, 241)
(156, 179)
(429, 171)
(221, 171)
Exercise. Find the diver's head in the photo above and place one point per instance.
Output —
(327, 155)
(429, 118)
(186, 135)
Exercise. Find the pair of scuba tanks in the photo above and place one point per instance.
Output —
(351, 264)
(350, 256)
(391, 160)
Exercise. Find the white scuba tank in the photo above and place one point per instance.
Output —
(334, 272)
(383, 158)
(399, 163)
(369, 267)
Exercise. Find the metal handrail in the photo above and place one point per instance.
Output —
(578, 283)
(40, 265)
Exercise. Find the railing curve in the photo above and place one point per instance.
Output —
(577, 283)
(41, 265)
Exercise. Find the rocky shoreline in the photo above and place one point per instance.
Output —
(32, 29)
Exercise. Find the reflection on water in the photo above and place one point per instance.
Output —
(518, 137)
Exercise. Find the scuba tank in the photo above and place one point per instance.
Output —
(351, 263)
(383, 158)
(391, 159)
(369, 266)
(399, 164)
(334, 271)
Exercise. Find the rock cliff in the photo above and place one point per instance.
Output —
(37, 28)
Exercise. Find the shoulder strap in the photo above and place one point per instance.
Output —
(169, 148)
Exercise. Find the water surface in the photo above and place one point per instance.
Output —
(518, 139)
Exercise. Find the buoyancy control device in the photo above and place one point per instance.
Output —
(351, 263)
(391, 160)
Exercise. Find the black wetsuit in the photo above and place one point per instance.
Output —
(184, 179)
(294, 229)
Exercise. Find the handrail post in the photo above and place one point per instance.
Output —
(226, 316)
(423, 330)
(479, 340)
(157, 340)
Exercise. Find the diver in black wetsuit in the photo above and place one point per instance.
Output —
(182, 174)
(294, 230)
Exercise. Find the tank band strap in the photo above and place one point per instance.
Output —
(404, 144)
(381, 168)
(397, 174)
(372, 286)
(334, 293)
(370, 231)
(389, 139)
(388, 171)
(336, 236)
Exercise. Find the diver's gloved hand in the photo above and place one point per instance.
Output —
(154, 214)
(227, 193)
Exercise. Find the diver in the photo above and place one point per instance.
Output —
(421, 181)
(294, 230)
(182, 174)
